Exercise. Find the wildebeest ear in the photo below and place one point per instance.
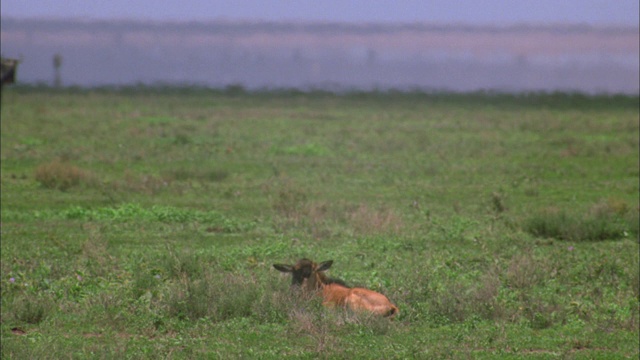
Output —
(325, 265)
(283, 267)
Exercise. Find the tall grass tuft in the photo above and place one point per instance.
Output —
(319, 326)
(60, 175)
(218, 297)
(454, 301)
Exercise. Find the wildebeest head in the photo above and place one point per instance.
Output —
(8, 70)
(305, 273)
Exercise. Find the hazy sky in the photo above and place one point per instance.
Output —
(501, 12)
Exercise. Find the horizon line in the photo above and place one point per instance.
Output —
(425, 25)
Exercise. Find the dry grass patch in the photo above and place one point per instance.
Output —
(218, 297)
(95, 254)
(317, 326)
(484, 296)
(289, 199)
(458, 302)
(61, 175)
(368, 221)
(296, 211)
(524, 271)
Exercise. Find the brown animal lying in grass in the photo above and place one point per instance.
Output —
(310, 278)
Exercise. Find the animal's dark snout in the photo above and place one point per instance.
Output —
(296, 280)
(300, 275)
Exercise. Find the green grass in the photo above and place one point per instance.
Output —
(143, 223)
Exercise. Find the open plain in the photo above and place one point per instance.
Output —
(143, 223)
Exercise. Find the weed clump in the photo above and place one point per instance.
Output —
(498, 205)
(60, 175)
(32, 309)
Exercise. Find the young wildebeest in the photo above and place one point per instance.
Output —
(7, 72)
(309, 277)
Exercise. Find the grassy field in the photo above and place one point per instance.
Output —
(143, 223)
